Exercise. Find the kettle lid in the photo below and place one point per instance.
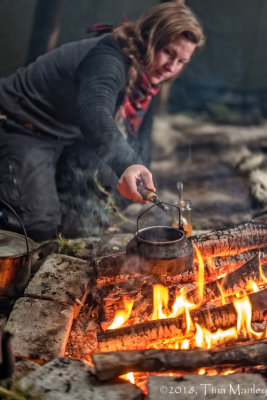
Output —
(13, 244)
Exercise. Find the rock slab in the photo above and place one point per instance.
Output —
(66, 379)
(40, 328)
(59, 274)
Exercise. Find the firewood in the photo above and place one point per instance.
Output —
(229, 284)
(113, 268)
(121, 264)
(113, 364)
(225, 265)
(230, 241)
(220, 266)
(139, 336)
(109, 266)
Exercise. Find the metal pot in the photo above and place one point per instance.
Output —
(166, 250)
(15, 262)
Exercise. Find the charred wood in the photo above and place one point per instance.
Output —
(109, 266)
(225, 265)
(230, 241)
(121, 264)
(113, 364)
(229, 284)
(139, 336)
(116, 268)
(215, 266)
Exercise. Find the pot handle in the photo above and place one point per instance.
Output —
(169, 204)
(21, 223)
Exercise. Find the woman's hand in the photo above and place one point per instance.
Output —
(127, 182)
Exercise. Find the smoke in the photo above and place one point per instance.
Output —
(84, 207)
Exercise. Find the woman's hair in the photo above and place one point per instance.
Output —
(160, 25)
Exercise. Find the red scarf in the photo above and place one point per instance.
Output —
(136, 105)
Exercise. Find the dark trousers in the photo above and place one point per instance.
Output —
(51, 185)
(27, 182)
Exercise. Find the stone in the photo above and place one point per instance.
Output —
(165, 147)
(43, 250)
(24, 367)
(252, 162)
(204, 387)
(115, 243)
(66, 379)
(40, 328)
(258, 181)
(60, 274)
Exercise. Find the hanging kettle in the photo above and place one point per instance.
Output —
(15, 261)
(166, 250)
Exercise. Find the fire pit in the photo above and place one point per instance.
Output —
(210, 318)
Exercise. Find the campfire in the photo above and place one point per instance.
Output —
(209, 318)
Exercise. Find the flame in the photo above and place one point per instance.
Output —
(160, 300)
(201, 371)
(199, 337)
(244, 316)
(252, 286)
(220, 287)
(129, 377)
(206, 339)
(181, 305)
(185, 344)
(228, 372)
(219, 336)
(122, 316)
(211, 372)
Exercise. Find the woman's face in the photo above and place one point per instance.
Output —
(170, 60)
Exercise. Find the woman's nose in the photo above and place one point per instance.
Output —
(170, 66)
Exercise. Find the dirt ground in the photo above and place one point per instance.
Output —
(222, 167)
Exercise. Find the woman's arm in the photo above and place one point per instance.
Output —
(101, 77)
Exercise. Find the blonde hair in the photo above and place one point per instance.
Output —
(160, 25)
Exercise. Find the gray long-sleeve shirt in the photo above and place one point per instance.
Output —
(73, 91)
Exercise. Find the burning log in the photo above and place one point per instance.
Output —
(230, 241)
(113, 364)
(139, 336)
(114, 268)
(225, 265)
(229, 284)
(220, 266)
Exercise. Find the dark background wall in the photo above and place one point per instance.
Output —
(231, 69)
(17, 23)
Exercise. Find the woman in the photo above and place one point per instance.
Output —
(77, 91)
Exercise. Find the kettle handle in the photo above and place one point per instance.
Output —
(169, 204)
(21, 223)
